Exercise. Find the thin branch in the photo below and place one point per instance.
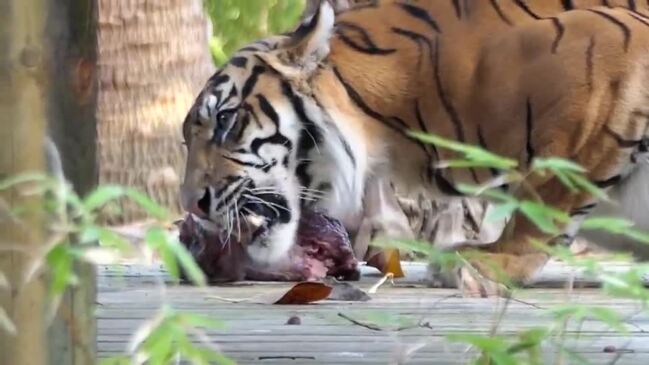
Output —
(369, 326)
(374, 327)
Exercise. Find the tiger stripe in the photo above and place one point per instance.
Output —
(496, 6)
(523, 6)
(394, 123)
(519, 78)
(450, 110)
(368, 46)
(483, 143)
(251, 81)
(417, 38)
(567, 5)
(529, 131)
(421, 14)
(626, 32)
(590, 52)
(458, 8)
(559, 30)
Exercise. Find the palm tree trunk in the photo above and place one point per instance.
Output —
(153, 60)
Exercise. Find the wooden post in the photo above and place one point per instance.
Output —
(47, 86)
(72, 109)
(22, 117)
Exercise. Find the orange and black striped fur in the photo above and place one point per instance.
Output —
(320, 116)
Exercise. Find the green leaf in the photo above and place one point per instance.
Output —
(611, 224)
(501, 211)
(150, 207)
(173, 253)
(589, 187)
(108, 238)
(28, 177)
(160, 344)
(169, 339)
(186, 260)
(116, 360)
(425, 248)
(494, 347)
(156, 239)
(616, 226)
(60, 260)
(580, 312)
(6, 324)
(239, 22)
(543, 216)
(101, 196)
(556, 164)
(626, 285)
(471, 153)
(494, 194)
(4, 282)
(566, 181)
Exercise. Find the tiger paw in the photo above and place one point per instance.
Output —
(466, 277)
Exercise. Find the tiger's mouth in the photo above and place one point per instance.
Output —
(246, 218)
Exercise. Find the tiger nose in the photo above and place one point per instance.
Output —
(197, 203)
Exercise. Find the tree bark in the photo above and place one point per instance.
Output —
(153, 60)
(47, 63)
(72, 124)
(22, 109)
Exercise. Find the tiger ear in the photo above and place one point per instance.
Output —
(307, 46)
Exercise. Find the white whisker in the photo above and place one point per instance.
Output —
(268, 204)
(313, 195)
(315, 143)
(236, 216)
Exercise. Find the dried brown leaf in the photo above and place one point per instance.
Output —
(304, 293)
(387, 261)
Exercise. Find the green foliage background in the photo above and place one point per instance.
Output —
(238, 22)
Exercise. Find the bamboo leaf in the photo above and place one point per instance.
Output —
(101, 196)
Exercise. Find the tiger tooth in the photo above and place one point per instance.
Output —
(255, 220)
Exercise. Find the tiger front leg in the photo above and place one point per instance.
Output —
(515, 258)
(492, 270)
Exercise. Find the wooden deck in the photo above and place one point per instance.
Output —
(328, 334)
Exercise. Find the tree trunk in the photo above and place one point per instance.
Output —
(22, 109)
(153, 60)
(47, 82)
(72, 124)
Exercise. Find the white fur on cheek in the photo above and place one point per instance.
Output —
(331, 163)
(209, 103)
(281, 237)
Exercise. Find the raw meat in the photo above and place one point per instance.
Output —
(323, 249)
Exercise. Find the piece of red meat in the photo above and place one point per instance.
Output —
(322, 249)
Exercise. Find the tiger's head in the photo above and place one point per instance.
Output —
(250, 136)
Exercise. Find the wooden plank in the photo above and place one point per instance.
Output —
(257, 333)
(450, 359)
(554, 275)
(22, 22)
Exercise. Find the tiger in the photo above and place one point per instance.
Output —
(321, 118)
